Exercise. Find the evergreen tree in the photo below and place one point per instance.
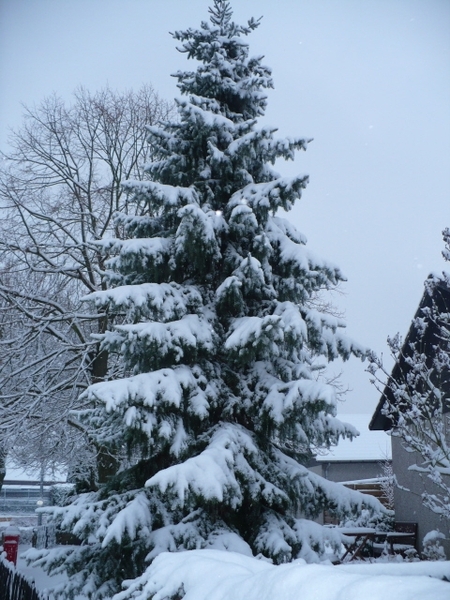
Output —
(221, 401)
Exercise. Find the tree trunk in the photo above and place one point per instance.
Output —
(3, 455)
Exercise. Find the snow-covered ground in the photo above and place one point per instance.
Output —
(219, 575)
(41, 580)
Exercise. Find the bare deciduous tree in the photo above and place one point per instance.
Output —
(60, 186)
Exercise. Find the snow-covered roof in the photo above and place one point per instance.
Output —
(369, 445)
(15, 473)
(436, 293)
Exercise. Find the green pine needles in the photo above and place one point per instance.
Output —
(219, 402)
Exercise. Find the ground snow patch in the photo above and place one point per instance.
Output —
(217, 575)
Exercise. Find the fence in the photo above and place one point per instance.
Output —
(47, 536)
(44, 537)
(14, 586)
(372, 487)
(22, 499)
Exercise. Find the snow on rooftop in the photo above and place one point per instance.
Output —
(369, 445)
(16, 473)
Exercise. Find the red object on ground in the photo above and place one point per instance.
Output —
(11, 544)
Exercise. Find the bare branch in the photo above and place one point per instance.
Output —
(59, 189)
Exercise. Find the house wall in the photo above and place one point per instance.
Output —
(350, 470)
(347, 471)
(408, 504)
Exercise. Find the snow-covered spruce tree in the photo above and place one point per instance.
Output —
(221, 402)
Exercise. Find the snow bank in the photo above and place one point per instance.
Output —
(438, 569)
(217, 575)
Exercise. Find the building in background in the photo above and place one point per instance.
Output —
(24, 490)
(357, 459)
(428, 335)
(359, 463)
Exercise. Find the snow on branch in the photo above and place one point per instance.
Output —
(161, 195)
(155, 301)
(148, 390)
(191, 333)
(215, 474)
(134, 519)
(269, 196)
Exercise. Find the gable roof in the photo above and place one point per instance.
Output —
(437, 293)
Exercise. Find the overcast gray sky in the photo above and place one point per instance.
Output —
(369, 80)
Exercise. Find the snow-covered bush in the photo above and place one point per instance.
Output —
(61, 493)
(26, 535)
(432, 548)
(381, 521)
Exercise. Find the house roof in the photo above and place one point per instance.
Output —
(20, 474)
(436, 292)
(368, 446)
